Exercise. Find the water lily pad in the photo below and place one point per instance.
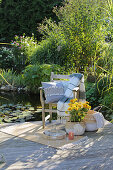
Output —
(6, 111)
(19, 111)
(22, 108)
(7, 120)
(1, 120)
(31, 108)
(26, 113)
(10, 116)
(1, 107)
(15, 118)
(21, 116)
(16, 113)
(27, 105)
(10, 105)
(4, 105)
(18, 107)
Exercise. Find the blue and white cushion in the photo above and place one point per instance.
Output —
(53, 91)
(62, 104)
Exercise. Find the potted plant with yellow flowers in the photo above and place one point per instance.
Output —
(76, 112)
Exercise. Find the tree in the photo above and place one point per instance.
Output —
(23, 16)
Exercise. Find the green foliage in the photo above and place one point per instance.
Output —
(95, 92)
(6, 58)
(104, 65)
(23, 16)
(33, 75)
(18, 55)
(98, 94)
(92, 94)
(105, 61)
(80, 32)
(107, 103)
(108, 100)
(12, 78)
(104, 85)
(23, 47)
(109, 37)
(8, 75)
(48, 51)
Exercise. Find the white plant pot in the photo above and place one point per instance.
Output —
(78, 128)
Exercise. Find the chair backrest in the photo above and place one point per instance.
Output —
(57, 77)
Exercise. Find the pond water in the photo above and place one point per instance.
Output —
(20, 98)
(19, 107)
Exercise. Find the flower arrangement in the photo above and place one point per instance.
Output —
(77, 110)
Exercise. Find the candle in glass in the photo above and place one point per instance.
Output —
(71, 136)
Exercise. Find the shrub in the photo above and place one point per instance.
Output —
(99, 95)
(80, 32)
(107, 103)
(92, 94)
(23, 48)
(34, 74)
(6, 58)
(49, 51)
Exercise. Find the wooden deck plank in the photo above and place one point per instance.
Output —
(23, 154)
(20, 153)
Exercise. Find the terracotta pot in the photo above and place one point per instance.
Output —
(78, 128)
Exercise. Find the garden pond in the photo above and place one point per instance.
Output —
(19, 107)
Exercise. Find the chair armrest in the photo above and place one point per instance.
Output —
(76, 92)
(40, 88)
(76, 89)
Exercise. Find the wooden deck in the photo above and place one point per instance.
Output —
(96, 153)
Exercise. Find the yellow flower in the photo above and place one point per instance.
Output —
(75, 104)
(72, 100)
(76, 108)
(66, 112)
(73, 107)
(69, 108)
(79, 105)
(79, 114)
(70, 104)
(89, 107)
(85, 105)
(75, 100)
